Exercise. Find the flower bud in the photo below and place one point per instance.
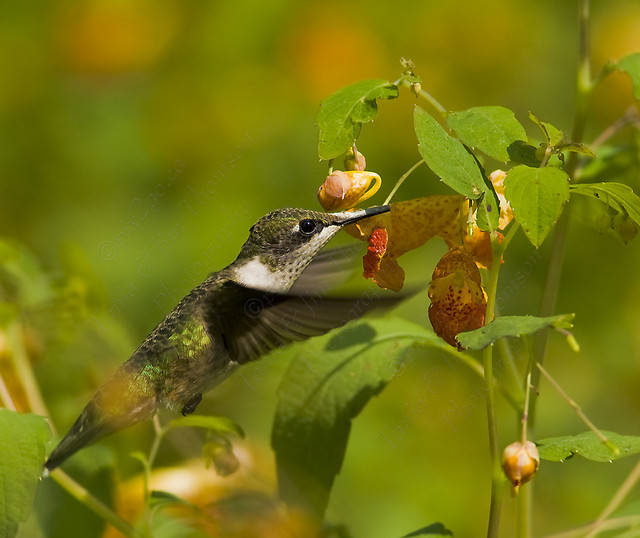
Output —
(520, 463)
(624, 227)
(355, 160)
(221, 456)
(602, 221)
(344, 190)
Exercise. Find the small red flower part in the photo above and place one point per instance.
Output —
(409, 225)
(458, 302)
(375, 251)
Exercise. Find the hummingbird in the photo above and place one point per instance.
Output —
(238, 314)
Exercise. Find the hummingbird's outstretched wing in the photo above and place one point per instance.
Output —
(271, 320)
(256, 321)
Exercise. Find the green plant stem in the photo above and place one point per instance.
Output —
(5, 396)
(578, 410)
(401, 181)
(524, 504)
(434, 103)
(583, 90)
(616, 500)
(24, 370)
(94, 504)
(525, 410)
(497, 477)
(36, 403)
(147, 465)
(611, 524)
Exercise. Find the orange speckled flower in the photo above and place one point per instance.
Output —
(458, 302)
(409, 225)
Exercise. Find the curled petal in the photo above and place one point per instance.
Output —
(375, 252)
(344, 190)
(506, 213)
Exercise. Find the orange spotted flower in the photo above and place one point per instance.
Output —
(458, 301)
(409, 225)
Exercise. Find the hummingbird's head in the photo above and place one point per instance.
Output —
(282, 243)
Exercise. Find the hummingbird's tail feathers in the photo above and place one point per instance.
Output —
(97, 421)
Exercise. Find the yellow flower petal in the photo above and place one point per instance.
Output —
(344, 190)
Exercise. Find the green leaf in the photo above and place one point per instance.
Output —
(163, 498)
(630, 64)
(619, 197)
(537, 196)
(329, 381)
(435, 529)
(23, 441)
(488, 216)
(617, 161)
(523, 153)
(589, 446)
(553, 135)
(511, 326)
(575, 147)
(342, 114)
(216, 424)
(557, 141)
(447, 156)
(491, 129)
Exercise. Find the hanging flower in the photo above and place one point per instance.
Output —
(409, 225)
(458, 302)
(344, 190)
(520, 462)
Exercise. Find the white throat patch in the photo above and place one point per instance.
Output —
(257, 275)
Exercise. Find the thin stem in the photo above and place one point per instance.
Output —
(552, 285)
(611, 524)
(434, 103)
(159, 434)
(401, 181)
(525, 411)
(5, 396)
(24, 371)
(616, 500)
(147, 465)
(630, 117)
(497, 477)
(94, 504)
(524, 504)
(515, 389)
(578, 410)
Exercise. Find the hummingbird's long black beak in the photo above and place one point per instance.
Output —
(347, 217)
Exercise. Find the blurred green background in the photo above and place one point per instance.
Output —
(141, 140)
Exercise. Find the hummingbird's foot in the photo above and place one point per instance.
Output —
(191, 405)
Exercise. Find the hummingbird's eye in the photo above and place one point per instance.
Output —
(307, 226)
